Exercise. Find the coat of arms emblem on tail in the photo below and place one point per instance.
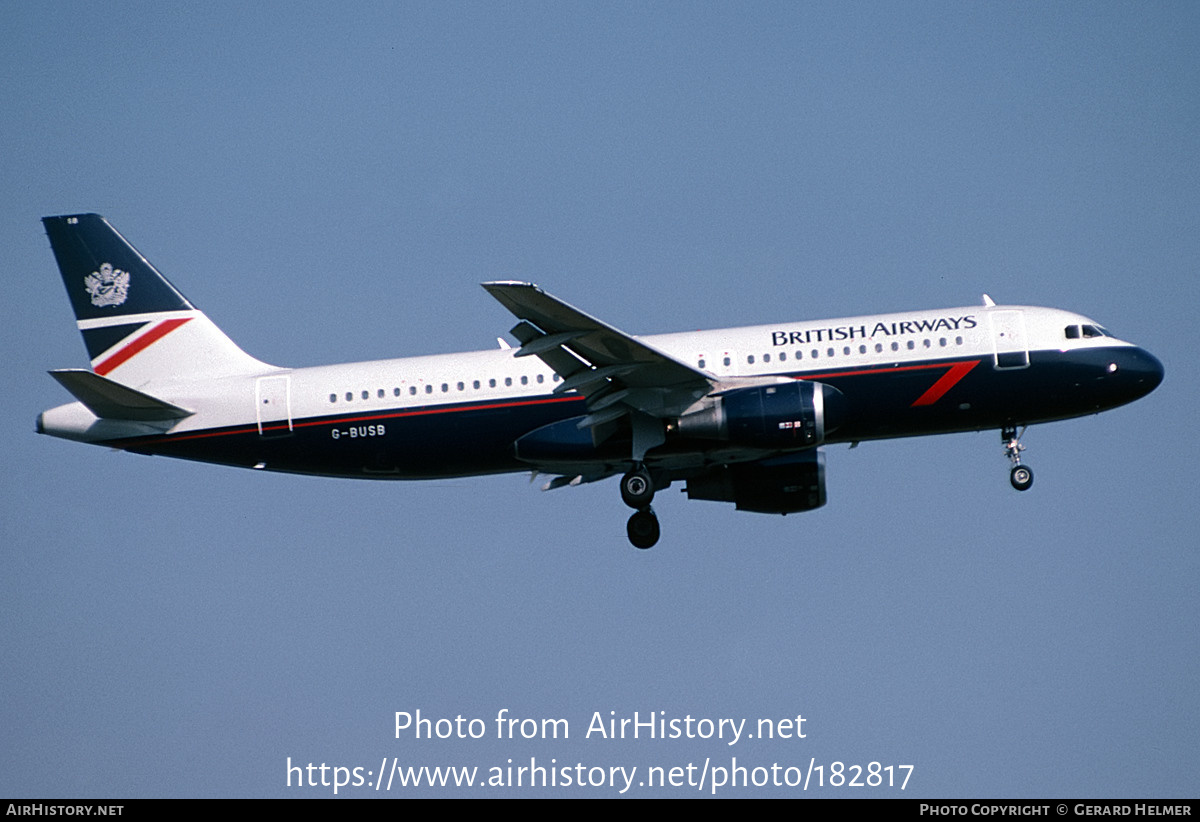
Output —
(108, 286)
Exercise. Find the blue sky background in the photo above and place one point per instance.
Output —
(331, 184)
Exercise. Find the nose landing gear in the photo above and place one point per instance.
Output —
(1021, 476)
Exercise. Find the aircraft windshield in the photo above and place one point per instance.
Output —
(1074, 332)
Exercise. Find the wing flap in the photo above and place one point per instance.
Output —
(591, 339)
(607, 359)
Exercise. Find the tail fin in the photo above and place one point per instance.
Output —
(136, 326)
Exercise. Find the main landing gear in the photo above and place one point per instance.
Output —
(637, 490)
(1021, 476)
(642, 528)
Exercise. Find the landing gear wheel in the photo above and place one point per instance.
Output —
(643, 529)
(1021, 477)
(637, 489)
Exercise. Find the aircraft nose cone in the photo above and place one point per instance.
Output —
(1155, 373)
(1140, 370)
(1149, 370)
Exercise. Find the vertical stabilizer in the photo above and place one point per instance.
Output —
(137, 327)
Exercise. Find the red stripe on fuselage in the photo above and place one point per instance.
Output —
(945, 383)
(364, 417)
(140, 344)
(956, 371)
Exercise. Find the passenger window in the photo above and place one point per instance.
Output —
(911, 345)
(492, 382)
(895, 346)
(700, 364)
(445, 387)
(395, 392)
(829, 352)
(412, 389)
(508, 380)
(366, 394)
(815, 354)
(429, 388)
(750, 360)
(846, 351)
(461, 386)
(541, 378)
(333, 397)
(783, 356)
(958, 340)
(862, 349)
(766, 357)
(726, 361)
(475, 384)
(524, 380)
(942, 342)
(878, 348)
(381, 394)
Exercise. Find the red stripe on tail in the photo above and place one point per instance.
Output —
(140, 344)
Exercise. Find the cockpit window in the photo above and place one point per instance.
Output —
(1075, 332)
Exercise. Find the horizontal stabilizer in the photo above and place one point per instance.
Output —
(111, 400)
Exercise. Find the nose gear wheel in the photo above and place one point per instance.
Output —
(1021, 476)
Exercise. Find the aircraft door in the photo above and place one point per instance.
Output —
(1009, 341)
(273, 400)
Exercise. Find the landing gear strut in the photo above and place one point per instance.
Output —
(1021, 476)
(637, 490)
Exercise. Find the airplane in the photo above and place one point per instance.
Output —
(737, 415)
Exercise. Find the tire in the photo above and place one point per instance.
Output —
(637, 490)
(643, 529)
(1021, 477)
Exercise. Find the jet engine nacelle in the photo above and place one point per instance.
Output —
(789, 415)
(781, 485)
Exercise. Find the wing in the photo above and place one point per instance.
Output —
(621, 376)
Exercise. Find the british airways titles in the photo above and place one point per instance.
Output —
(880, 329)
